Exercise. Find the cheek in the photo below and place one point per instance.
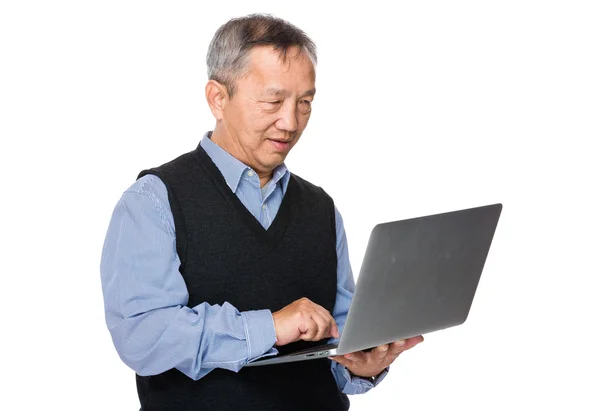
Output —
(303, 122)
(264, 129)
(260, 121)
(303, 119)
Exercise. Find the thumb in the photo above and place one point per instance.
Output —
(335, 332)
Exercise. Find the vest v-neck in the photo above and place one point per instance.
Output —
(276, 230)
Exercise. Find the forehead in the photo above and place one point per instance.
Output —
(269, 69)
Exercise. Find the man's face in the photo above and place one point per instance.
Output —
(270, 108)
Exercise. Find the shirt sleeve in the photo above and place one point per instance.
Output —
(346, 382)
(145, 297)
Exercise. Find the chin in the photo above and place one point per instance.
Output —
(274, 161)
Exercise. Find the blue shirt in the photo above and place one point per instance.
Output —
(140, 274)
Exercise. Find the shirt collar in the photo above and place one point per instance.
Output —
(232, 169)
(281, 173)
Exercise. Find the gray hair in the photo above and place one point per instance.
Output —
(228, 53)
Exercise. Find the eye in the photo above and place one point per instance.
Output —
(271, 106)
(305, 105)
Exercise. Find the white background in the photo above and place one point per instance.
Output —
(422, 108)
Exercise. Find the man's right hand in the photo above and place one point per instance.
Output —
(303, 320)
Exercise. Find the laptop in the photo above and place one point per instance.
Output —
(418, 276)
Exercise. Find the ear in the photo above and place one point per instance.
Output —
(217, 98)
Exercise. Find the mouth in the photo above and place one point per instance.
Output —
(281, 145)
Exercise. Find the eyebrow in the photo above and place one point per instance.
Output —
(273, 91)
(310, 92)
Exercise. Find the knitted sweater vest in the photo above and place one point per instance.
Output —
(227, 256)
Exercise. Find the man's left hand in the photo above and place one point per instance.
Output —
(372, 363)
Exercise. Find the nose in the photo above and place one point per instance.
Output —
(288, 120)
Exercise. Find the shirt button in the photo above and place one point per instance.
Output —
(264, 207)
(250, 173)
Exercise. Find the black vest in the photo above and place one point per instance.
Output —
(226, 255)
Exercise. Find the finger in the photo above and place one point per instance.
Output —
(309, 329)
(381, 352)
(356, 357)
(333, 328)
(316, 307)
(322, 310)
(416, 340)
(323, 325)
(320, 326)
(342, 360)
(387, 361)
(397, 347)
(334, 331)
(412, 342)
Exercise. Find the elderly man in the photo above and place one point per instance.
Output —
(223, 256)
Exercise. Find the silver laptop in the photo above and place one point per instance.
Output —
(418, 275)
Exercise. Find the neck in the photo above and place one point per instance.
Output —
(223, 139)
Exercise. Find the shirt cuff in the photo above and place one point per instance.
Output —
(260, 333)
(360, 385)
